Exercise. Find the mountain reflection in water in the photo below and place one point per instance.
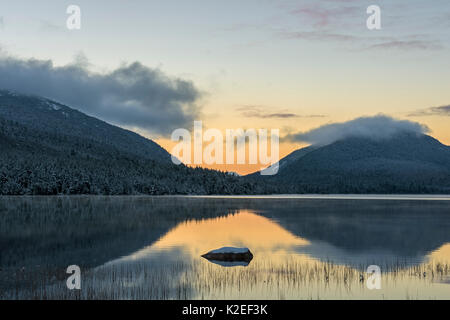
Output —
(151, 247)
(268, 240)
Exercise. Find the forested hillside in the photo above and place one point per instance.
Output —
(48, 148)
(404, 163)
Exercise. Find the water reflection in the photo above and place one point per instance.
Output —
(320, 267)
(150, 248)
(261, 235)
(228, 264)
(268, 240)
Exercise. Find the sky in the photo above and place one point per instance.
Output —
(154, 66)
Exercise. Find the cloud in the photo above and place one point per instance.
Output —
(433, 111)
(322, 16)
(408, 45)
(411, 42)
(376, 127)
(272, 115)
(263, 113)
(47, 26)
(317, 36)
(342, 22)
(131, 95)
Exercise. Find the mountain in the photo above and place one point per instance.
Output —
(47, 116)
(48, 148)
(404, 163)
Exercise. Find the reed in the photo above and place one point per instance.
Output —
(292, 279)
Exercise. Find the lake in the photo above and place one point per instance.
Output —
(304, 247)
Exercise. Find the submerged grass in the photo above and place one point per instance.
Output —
(199, 279)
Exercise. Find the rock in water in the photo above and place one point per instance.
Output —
(229, 254)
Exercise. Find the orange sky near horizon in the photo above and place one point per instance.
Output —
(439, 127)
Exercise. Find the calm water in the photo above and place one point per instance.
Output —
(310, 247)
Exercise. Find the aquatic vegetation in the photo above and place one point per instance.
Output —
(294, 279)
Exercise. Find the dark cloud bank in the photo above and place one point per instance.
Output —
(377, 127)
(131, 95)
